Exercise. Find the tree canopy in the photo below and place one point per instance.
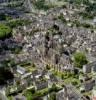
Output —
(79, 1)
(40, 4)
(5, 31)
(80, 59)
(18, 22)
(5, 75)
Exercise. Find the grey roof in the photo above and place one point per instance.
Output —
(21, 70)
(19, 97)
(53, 78)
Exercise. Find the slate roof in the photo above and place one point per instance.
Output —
(19, 97)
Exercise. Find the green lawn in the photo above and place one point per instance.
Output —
(88, 93)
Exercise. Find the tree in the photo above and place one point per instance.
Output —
(53, 96)
(61, 17)
(5, 75)
(33, 65)
(5, 31)
(80, 59)
(47, 67)
(18, 22)
(28, 95)
(40, 4)
(74, 82)
(62, 76)
(32, 90)
(53, 88)
(79, 2)
(2, 16)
